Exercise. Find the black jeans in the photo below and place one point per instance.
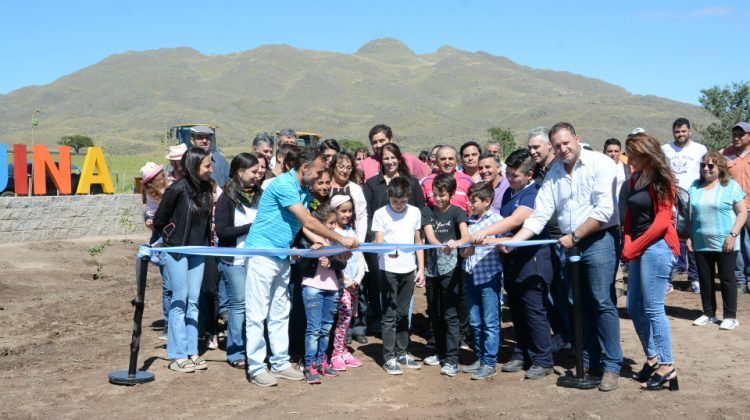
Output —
(707, 263)
(297, 315)
(208, 302)
(373, 311)
(444, 298)
(397, 290)
(528, 278)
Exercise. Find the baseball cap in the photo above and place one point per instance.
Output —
(743, 125)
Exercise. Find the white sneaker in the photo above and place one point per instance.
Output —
(433, 360)
(729, 324)
(695, 287)
(704, 320)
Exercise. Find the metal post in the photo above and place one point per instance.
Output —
(580, 380)
(133, 376)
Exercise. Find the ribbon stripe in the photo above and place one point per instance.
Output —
(145, 250)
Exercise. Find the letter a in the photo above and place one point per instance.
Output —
(95, 161)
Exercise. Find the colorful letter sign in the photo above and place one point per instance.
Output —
(95, 170)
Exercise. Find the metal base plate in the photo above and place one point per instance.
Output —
(570, 381)
(121, 377)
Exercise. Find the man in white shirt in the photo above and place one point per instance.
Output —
(684, 156)
(579, 191)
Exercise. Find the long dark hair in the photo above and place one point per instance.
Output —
(646, 147)
(403, 170)
(233, 187)
(200, 192)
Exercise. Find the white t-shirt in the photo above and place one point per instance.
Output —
(685, 162)
(397, 228)
(620, 179)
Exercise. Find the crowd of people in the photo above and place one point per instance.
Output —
(616, 209)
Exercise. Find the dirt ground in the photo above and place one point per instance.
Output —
(62, 332)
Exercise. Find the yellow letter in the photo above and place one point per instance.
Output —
(95, 160)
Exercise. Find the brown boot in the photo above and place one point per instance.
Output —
(609, 381)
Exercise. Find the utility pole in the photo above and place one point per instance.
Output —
(34, 123)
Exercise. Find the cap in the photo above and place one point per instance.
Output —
(743, 125)
(176, 152)
(201, 129)
(339, 199)
(149, 171)
(637, 130)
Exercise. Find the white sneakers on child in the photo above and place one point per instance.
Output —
(704, 320)
(729, 324)
(726, 324)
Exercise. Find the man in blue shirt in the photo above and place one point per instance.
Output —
(282, 213)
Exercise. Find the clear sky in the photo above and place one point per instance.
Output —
(666, 48)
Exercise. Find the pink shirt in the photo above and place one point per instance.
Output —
(459, 199)
(325, 279)
(418, 169)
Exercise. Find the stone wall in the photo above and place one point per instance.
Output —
(69, 217)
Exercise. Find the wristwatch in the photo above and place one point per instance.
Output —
(734, 235)
(574, 237)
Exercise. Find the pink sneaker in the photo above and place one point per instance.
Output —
(352, 361)
(338, 363)
(326, 369)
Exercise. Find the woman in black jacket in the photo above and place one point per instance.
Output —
(392, 165)
(184, 218)
(235, 213)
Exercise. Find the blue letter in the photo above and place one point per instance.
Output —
(3, 166)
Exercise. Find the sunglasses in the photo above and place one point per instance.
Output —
(710, 166)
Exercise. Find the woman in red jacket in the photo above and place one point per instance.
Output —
(651, 245)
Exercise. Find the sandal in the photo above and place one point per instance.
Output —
(238, 364)
(182, 365)
(199, 363)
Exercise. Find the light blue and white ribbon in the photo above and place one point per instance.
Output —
(145, 250)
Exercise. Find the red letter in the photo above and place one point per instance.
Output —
(20, 172)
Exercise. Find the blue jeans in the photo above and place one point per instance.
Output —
(186, 276)
(647, 284)
(223, 298)
(686, 262)
(233, 276)
(267, 301)
(601, 322)
(745, 250)
(484, 317)
(320, 308)
(166, 291)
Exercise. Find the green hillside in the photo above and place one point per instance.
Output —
(127, 101)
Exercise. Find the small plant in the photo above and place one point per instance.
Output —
(126, 218)
(96, 252)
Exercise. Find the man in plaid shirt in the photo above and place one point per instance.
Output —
(483, 284)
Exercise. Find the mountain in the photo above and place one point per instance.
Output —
(127, 101)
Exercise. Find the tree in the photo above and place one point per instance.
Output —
(730, 105)
(505, 137)
(350, 145)
(76, 141)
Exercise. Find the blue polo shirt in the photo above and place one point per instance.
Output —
(275, 226)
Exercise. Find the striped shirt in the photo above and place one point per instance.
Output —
(485, 263)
